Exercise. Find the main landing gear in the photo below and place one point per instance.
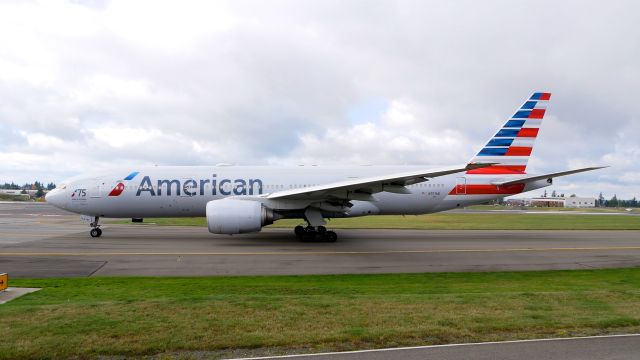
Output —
(315, 229)
(95, 228)
(310, 233)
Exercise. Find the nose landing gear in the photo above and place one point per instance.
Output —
(95, 228)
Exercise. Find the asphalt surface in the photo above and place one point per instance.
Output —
(625, 347)
(37, 240)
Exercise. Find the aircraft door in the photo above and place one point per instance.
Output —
(461, 186)
(97, 188)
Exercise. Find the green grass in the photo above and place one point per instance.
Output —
(6, 197)
(455, 221)
(562, 209)
(91, 317)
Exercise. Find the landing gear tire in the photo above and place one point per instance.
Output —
(309, 234)
(95, 228)
(330, 236)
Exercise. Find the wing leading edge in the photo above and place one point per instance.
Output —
(362, 189)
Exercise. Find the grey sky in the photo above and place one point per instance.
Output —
(94, 84)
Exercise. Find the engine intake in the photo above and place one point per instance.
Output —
(233, 216)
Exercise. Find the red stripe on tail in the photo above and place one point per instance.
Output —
(528, 132)
(536, 114)
(499, 169)
(518, 151)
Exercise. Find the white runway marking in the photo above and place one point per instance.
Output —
(437, 346)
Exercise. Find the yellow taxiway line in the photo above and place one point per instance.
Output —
(381, 252)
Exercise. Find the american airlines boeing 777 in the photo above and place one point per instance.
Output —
(239, 199)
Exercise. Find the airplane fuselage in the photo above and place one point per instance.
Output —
(185, 191)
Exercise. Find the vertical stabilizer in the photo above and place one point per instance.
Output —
(511, 146)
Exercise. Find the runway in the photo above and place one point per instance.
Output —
(37, 240)
(619, 347)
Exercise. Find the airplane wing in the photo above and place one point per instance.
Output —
(528, 179)
(363, 188)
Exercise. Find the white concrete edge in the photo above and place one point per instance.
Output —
(8, 294)
(437, 346)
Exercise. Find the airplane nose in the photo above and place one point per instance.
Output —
(53, 197)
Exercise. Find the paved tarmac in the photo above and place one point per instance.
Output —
(625, 347)
(37, 240)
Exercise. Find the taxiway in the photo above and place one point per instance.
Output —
(37, 240)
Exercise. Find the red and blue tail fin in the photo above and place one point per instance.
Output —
(511, 146)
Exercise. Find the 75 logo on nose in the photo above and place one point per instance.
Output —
(79, 194)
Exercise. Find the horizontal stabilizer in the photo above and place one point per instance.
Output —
(528, 179)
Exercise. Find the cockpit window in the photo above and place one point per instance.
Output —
(61, 187)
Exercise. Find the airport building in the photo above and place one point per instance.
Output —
(569, 202)
(11, 192)
(21, 193)
(580, 202)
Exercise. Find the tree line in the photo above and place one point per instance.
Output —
(36, 185)
(615, 202)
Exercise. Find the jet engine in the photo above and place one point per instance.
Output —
(234, 216)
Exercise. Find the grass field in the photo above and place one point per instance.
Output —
(91, 317)
(459, 221)
(5, 197)
(555, 209)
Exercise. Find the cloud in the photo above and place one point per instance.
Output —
(93, 84)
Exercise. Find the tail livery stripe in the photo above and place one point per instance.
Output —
(523, 142)
(507, 133)
(528, 132)
(500, 142)
(499, 169)
(495, 151)
(529, 114)
(515, 123)
(515, 139)
(541, 96)
(518, 151)
(505, 160)
(531, 123)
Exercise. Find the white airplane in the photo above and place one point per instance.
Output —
(239, 199)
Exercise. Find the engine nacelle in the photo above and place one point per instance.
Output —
(233, 216)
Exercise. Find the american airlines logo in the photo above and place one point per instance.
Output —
(118, 189)
(191, 187)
